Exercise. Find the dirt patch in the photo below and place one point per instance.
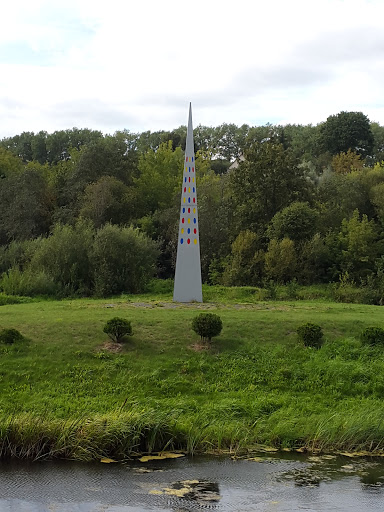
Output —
(110, 346)
(200, 347)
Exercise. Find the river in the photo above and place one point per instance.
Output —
(269, 483)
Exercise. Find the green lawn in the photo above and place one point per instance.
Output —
(63, 394)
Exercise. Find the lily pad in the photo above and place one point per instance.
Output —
(161, 456)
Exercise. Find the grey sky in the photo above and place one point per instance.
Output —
(136, 65)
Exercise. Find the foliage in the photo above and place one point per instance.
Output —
(310, 334)
(343, 163)
(123, 260)
(246, 263)
(10, 336)
(207, 325)
(117, 328)
(301, 183)
(281, 260)
(297, 222)
(372, 336)
(65, 257)
(268, 180)
(360, 246)
(29, 283)
(347, 131)
(106, 200)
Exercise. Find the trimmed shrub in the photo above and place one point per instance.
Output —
(311, 335)
(117, 328)
(372, 336)
(10, 336)
(207, 325)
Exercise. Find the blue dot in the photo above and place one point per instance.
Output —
(189, 169)
(189, 230)
(194, 221)
(185, 179)
(183, 210)
(192, 159)
(193, 188)
(189, 199)
(181, 240)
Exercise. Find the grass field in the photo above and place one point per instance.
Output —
(64, 393)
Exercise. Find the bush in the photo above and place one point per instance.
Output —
(10, 336)
(373, 336)
(311, 335)
(117, 328)
(207, 325)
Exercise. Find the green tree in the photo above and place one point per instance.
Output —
(123, 260)
(281, 260)
(297, 222)
(360, 244)
(246, 263)
(9, 163)
(268, 180)
(347, 130)
(65, 256)
(159, 178)
(26, 206)
(106, 200)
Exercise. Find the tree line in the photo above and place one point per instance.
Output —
(86, 213)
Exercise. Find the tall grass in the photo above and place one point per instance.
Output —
(64, 394)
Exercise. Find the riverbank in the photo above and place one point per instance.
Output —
(66, 392)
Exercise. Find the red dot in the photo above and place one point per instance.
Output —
(194, 200)
(182, 220)
(189, 210)
(193, 169)
(194, 230)
(189, 179)
(185, 189)
(186, 159)
(188, 241)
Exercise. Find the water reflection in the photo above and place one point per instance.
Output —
(263, 482)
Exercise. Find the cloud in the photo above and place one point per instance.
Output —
(137, 65)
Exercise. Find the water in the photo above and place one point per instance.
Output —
(270, 484)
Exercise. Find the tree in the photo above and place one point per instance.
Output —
(347, 130)
(281, 260)
(65, 256)
(246, 263)
(26, 206)
(123, 260)
(343, 163)
(9, 163)
(268, 180)
(159, 178)
(297, 222)
(106, 201)
(360, 245)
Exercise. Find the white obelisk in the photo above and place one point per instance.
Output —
(187, 287)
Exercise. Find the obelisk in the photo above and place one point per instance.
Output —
(187, 287)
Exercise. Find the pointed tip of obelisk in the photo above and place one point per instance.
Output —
(189, 144)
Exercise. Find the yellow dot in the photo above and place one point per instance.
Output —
(184, 200)
(189, 189)
(182, 230)
(195, 241)
(189, 221)
(193, 180)
(186, 169)
(194, 210)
